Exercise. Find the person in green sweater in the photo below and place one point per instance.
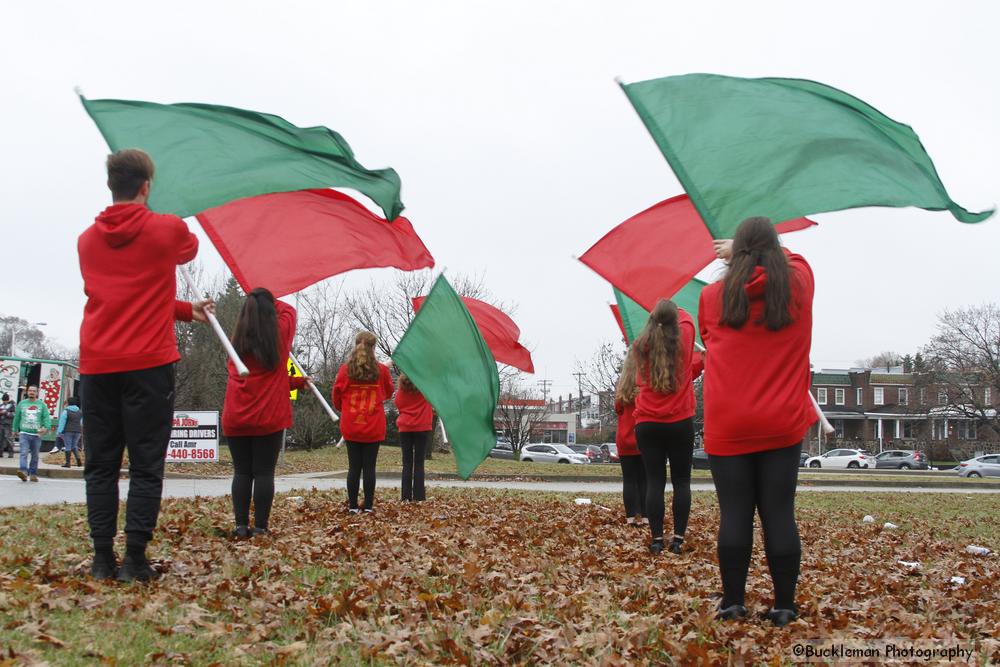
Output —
(31, 421)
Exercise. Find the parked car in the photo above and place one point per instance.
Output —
(803, 457)
(592, 452)
(700, 459)
(551, 454)
(987, 465)
(502, 450)
(902, 459)
(842, 458)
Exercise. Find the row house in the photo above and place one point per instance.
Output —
(889, 409)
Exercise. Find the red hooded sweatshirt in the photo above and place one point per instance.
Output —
(128, 259)
(415, 412)
(625, 435)
(756, 380)
(258, 404)
(362, 416)
(654, 406)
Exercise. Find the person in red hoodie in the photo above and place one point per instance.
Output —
(757, 327)
(362, 386)
(664, 416)
(128, 347)
(257, 409)
(629, 458)
(415, 422)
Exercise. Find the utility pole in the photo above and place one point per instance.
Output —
(545, 389)
(579, 396)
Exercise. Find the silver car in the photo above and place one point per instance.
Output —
(901, 459)
(545, 453)
(981, 466)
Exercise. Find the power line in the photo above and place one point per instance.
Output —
(545, 389)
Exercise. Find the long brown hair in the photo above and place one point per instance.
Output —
(627, 390)
(256, 333)
(361, 365)
(405, 383)
(756, 244)
(658, 347)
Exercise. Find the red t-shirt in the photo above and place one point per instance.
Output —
(128, 259)
(362, 415)
(655, 406)
(756, 387)
(625, 435)
(415, 412)
(259, 404)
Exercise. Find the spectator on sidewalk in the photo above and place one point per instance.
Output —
(70, 428)
(31, 421)
(6, 420)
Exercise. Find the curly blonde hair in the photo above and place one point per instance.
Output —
(658, 348)
(362, 365)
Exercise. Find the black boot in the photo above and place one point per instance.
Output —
(76, 455)
(66, 465)
(104, 566)
(135, 568)
(733, 612)
(781, 617)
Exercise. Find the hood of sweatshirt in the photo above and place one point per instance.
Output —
(120, 223)
(755, 286)
(73, 408)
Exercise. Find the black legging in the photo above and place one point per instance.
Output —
(633, 485)
(765, 482)
(658, 444)
(254, 460)
(361, 456)
(414, 444)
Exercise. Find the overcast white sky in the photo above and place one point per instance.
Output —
(515, 146)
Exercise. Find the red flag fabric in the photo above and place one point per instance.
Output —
(498, 330)
(658, 251)
(618, 318)
(289, 240)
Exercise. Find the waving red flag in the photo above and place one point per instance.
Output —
(290, 240)
(618, 318)
(655, 253)
(499, 332)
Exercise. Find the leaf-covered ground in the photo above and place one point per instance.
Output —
(477, 577)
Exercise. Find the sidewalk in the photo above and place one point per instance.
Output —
(9, 466)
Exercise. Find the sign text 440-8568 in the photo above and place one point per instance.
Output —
(194, 437)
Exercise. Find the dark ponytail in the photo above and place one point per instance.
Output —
(756, 244)
(256, 333)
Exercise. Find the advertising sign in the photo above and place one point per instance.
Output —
(194, 437)
(10, 378)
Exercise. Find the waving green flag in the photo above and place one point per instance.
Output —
(209, 155)
(784, 148)
(634, 316)
(444, 355)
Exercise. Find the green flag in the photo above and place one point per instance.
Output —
(634, 316)
(784, 148)
(209, 155)
(444, 355)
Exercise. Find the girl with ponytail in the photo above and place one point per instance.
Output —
(257, 410)
(415, 423)
(664, 416)
(362, 386)
(757, 327)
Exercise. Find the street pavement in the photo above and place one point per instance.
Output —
(51, 491)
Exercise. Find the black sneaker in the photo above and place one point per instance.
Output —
(241, 532)
(732, 613)
(103, 568)
(133, 569)
(257, 531)
(781, 617)
(656, 546)
(675, 545)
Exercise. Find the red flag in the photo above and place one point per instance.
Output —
(498, 330)
(655, 253)
(618, 318)
(290, 240)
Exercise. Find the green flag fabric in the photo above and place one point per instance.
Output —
(444, 355)
(784, 148)
(209, 155)
(634, 316)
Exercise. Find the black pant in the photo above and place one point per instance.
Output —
(361, 456)
(633, 485)
(254, 460)
(6, 443)
(130, 410)
(414, 445)
(765, 482)
(658, 444)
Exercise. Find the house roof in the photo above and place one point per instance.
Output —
(839, 379)
(892, 378)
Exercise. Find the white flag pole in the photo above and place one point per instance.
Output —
(230, 350)
(824, 422)
(315, 390)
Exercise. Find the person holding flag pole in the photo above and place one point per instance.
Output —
(257, 409)
(757, 327)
